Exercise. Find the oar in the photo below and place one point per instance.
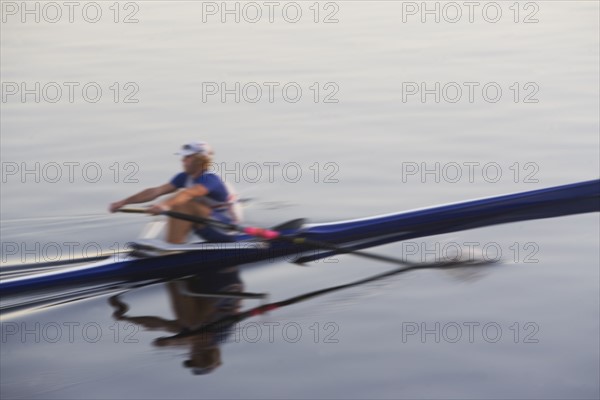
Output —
(270, 234)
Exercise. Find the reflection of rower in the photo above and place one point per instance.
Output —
(196, 301)
(228, 321)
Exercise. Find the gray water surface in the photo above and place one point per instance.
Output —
(365, 143)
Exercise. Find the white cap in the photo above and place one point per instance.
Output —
(195, 148)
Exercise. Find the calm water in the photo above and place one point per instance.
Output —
(334, 119)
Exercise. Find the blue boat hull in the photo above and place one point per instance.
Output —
(557, 201)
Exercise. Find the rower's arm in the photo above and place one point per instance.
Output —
(144, 196)
(186, 195)
(151, 194)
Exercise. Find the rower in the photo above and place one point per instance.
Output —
(199, 192)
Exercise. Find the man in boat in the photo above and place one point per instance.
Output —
(199, 192)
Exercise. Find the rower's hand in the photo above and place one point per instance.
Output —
(157, 209)
(116, 205)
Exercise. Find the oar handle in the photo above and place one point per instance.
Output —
(261, 233)
(133, 210)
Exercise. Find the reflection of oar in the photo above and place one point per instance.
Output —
(272, 234)
(224, 295)
(226, 322)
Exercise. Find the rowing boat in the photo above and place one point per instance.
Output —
(343, 236)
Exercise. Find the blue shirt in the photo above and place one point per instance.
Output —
(217, 191)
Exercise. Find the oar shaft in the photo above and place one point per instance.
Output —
(342, 250)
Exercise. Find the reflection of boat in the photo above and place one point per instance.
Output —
(179, 261)
(207, 309)
(196, 302)
(227, 322)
